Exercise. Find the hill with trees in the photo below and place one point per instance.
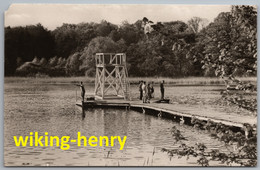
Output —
(225, 47)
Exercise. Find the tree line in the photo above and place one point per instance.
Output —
(224, 47)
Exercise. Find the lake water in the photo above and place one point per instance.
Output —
(51, 108)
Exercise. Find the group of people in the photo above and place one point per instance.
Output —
(147, 91)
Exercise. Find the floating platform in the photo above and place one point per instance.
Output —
(165, 110)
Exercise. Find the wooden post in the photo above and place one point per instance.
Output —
(117, 86)
(103, 81)
(82, 104)
(96, 81)
(83, 110)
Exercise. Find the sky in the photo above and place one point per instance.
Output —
(54, 15)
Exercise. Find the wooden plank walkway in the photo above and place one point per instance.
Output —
(176, 110)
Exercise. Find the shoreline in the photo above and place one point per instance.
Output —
(188, 81)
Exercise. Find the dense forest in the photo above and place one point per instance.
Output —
(224, 47)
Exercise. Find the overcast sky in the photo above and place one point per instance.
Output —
(54, 15)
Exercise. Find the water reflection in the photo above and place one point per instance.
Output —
(53, 111)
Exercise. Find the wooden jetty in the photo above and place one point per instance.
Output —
(170, 111)
(112, 90)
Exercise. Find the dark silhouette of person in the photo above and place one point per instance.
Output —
(140, 90)
(149, 96)
(82, 90)
(162, 90)
(152, 90)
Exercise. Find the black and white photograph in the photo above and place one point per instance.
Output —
(130, 85)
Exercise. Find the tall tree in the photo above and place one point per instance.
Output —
(97, 45)
(25, 43)
(228, 45)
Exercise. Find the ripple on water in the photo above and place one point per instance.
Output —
(51, 109)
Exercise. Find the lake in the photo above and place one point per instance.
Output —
(51, 108)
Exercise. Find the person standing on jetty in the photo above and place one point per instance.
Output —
(152, 90)
(162, 90)
(144, 91)
(82, 88)
(140, 90)
(148, 95)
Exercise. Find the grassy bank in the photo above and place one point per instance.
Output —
(133, 80)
